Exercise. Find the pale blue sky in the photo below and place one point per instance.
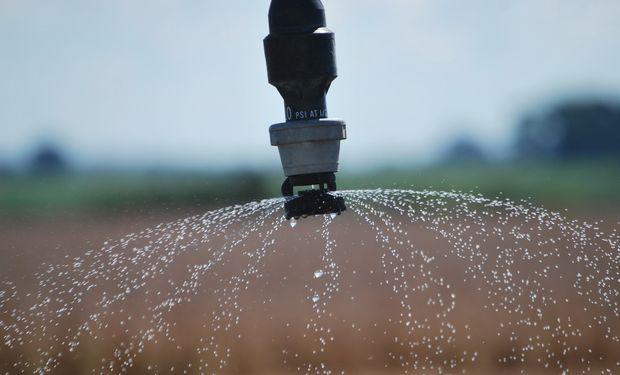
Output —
(183, 83)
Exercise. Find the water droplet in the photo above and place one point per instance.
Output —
(333, 215)
(318, 274)
(293, 223)
(316, 298)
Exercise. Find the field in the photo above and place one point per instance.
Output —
(363, 320)
(579, 184)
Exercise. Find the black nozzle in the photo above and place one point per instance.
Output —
(296, 16)
(301, 57)
(314, 202)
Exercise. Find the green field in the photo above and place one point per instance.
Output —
(577, 184)
(574, 184)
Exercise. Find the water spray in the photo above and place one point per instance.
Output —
(301, 63)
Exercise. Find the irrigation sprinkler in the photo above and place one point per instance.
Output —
(301, 63)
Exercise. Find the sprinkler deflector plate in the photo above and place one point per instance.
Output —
(312, 203)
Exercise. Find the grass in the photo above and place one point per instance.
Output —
(569, 184)
(51, 195)
(576, 184)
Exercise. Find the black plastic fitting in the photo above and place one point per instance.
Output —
(312, 203)
(301, 57)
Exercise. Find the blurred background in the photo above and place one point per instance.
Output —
(117, 115)
(115, 107)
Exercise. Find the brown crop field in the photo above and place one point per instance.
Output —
(450, 318)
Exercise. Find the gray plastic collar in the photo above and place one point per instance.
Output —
(308, 147)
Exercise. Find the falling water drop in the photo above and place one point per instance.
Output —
(293, 223)
(316, 298)
(318, 274)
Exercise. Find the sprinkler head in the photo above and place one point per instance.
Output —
(313, 202)
(301, 63)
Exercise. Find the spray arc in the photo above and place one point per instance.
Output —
(301, 63)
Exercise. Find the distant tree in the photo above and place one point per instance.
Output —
(5, 170)
(576, 129)
(47, 158)
(464, 150)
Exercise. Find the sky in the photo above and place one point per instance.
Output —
(183, 83)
